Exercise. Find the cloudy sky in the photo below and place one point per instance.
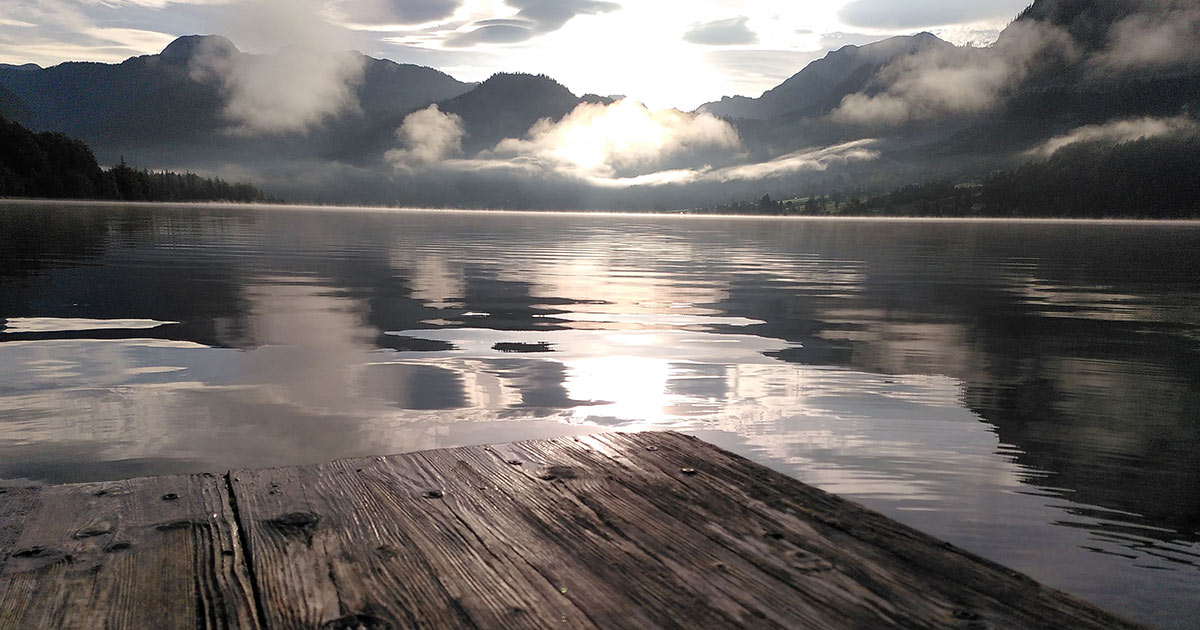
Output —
(668, 53)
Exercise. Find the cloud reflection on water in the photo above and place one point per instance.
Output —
(1011, 387)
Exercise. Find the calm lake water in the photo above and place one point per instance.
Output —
(1029, 391)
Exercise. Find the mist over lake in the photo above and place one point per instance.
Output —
(1025, 390)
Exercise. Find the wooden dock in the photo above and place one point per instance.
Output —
(646, 530)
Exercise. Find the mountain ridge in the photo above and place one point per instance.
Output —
(823, 79)
(1036, 83)
(155, 105)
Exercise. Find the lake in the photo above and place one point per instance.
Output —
(1029, 391)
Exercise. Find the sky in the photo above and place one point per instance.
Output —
(665, 53)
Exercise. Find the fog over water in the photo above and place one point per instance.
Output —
(1027, 390)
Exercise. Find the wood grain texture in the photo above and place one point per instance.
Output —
(651, 530)
(612, 531)
(158, 552)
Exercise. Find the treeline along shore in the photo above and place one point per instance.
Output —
(1145, 178)
(56, 166)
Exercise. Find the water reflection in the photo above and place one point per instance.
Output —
(1028, 391)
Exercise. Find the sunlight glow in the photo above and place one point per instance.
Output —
(632, 387)
(603, 141)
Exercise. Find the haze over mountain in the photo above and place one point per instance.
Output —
(826, 80)
(343, 127)
(174, 106)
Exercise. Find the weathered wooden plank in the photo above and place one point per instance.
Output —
(652, 530)
(615, 531)
(370, 541)
(886, 557)
(158, 552)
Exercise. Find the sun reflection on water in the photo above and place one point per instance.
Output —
(977, 381)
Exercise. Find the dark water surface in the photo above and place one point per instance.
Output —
(1028, 391)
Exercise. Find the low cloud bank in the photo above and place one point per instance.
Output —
(624, 139)
(1118, 131)
(310, 79)
(428, 135)
(939, 81)
(619, 145)
(817, 159)
(1152, 40)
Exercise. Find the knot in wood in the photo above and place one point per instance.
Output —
(551, 473)
(173, 526)
(356, 622)
(31, 552)
(96, 529)
(432, 494)
(120, 545)
(170, 496)
(295, 522)
(37, 556)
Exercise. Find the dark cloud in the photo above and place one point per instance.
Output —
(490, 34)
(919, 13)
(399, 11)
(417, 11)
(534, 17)
(506, 22)
(731, 32)
(551, 15)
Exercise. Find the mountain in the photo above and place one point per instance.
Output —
(1087, 21)
(56, 166)
(12, 107)
(507, 105)
(154, 107)
(841, 72)
(504, 106)
(1086, 91)
(919, 109)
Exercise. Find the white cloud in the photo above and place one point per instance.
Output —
(817, 159)
(1154, 39)
(925, 13)
(1118, 131)
(642, 54)
(131, 38)
(152, 4)
(730, 32)
(940, 80)
(621, 145)
(310, 79)
(48, 32)
(428, 135)
(625, 139)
